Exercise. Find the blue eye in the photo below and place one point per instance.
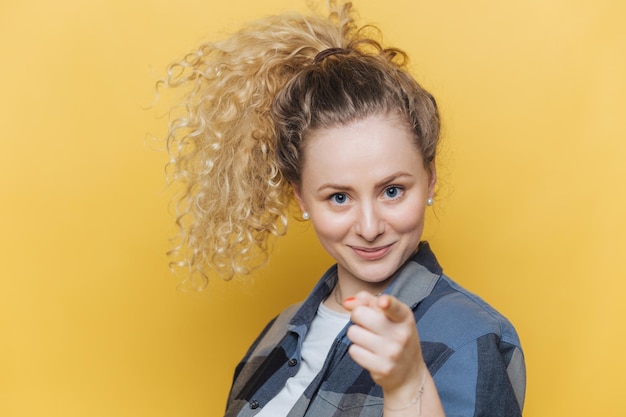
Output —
(393, 192)
(339, 198)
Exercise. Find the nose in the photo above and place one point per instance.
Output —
(370, 223)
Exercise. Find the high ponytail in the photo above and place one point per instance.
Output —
(250, 99)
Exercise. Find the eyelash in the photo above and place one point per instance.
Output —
(334, 201)
(399, 190)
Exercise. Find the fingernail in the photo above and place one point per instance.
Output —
(349, 299)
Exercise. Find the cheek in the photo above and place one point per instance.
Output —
(410, 220)
(330, 227)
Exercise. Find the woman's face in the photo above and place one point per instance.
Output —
(365, 187)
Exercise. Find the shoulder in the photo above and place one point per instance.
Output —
(273, 332)
(473, 352)
(293, 318)
(452, 315)
(269, 338)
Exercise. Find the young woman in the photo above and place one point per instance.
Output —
(315, 109)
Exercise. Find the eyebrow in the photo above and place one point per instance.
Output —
(379, 184)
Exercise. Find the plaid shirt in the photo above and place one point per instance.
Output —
(471, 350)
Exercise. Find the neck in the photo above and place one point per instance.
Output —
(336, 297)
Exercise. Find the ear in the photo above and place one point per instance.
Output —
(298, 194)
(432, 179)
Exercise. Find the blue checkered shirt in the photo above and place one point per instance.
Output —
(472, 351)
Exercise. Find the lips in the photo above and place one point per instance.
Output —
(371, 254)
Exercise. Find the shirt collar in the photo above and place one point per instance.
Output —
(417, 277)
(413, 282)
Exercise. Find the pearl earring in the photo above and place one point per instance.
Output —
(429, 202)
(306, 215)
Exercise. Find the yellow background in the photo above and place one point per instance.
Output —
(530, 213)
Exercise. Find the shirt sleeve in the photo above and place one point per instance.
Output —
(485, 377)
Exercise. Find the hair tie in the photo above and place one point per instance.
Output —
(322, 55)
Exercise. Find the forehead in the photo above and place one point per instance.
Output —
(370, 147)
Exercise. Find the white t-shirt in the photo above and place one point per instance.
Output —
(317, 342)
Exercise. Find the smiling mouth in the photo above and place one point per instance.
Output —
(371, 254)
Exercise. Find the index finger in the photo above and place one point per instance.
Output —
(394, 309)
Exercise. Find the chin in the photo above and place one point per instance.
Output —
(376, 275)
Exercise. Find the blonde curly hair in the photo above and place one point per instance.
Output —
(250, 101)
